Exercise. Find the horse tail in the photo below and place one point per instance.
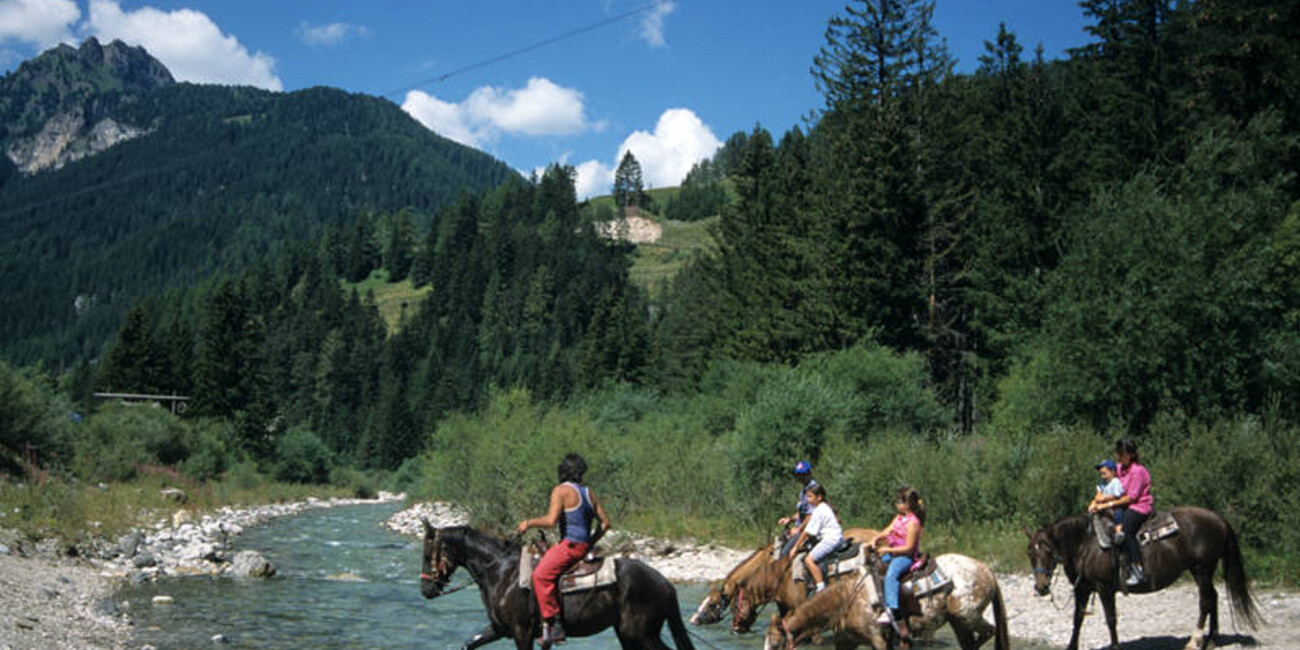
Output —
(1234, 575)
(1001, 632)
(681, 638)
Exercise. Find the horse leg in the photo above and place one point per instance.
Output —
(488, 635)
(1209, 601)
(966, 639)
(1081, 595)
(1108, 606)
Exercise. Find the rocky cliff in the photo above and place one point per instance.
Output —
(59, 107)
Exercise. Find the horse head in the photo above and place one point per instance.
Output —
(436, 566)
(778, 636)
(1043, 557)
(756, 590)
(713, 606)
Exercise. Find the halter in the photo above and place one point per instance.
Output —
(1050, 571)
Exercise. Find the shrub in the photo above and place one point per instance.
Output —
(33, 419)
(888, 390)
(210, 456)
(301, 457)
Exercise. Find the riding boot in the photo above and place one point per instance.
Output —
(1135, 575)
(553, 634)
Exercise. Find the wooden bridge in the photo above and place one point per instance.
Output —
(176, 403)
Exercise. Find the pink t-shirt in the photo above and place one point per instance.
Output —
(898, 531)
(1137, 486)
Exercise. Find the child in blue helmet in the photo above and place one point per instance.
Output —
(802, 472)
(1109, 490)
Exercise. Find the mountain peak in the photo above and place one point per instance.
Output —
(57, 106)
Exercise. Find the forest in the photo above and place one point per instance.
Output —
(971, 283)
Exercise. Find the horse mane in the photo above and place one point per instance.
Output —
(479, 538)
(1069, 534)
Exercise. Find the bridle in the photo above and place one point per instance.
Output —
(1055, 558)
(442, 568)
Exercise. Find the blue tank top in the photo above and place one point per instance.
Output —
(575, 526)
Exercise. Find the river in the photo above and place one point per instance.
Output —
(343, 581)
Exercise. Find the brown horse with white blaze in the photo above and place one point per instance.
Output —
(847, 609)
(1203, 540)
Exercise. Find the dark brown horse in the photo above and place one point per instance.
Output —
(1203, 539)
(636, 606)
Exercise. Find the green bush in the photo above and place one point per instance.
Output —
(791, 418)
(34, 420)
(210, 455)
(888, 390)
(301, 457)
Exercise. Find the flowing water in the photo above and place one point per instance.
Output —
(344, 582)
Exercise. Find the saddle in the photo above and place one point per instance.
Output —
(926, 579)
(1159, 525)
(848, 557)
(590, 572)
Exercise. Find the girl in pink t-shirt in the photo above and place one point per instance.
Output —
(902, 546)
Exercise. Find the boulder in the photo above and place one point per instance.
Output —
(173, 494)
(251, 564)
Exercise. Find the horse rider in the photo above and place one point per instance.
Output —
(802, 472)
(573, 506)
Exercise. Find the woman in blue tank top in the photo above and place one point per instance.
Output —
(573, 506)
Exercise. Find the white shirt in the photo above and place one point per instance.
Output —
(823, 525)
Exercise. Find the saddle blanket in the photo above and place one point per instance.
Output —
(1158, 526)
(602, 577)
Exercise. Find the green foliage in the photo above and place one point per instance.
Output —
(34, 420)
(117, 442)
(211, 450)
(301, 457)
(889, 390)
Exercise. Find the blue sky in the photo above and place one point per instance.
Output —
(669, 82)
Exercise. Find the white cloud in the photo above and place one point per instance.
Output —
(540, 108)
(680, 140)
(187, 42)
(329, 35)
(594, 178)
(43, 23)
(652, 24)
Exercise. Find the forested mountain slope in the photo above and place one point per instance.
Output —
(215, 178)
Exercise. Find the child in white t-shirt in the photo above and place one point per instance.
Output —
(1109, 489)
(825, 526)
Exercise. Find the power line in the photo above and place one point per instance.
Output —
(527, 48)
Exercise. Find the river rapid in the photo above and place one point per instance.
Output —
(344, 581)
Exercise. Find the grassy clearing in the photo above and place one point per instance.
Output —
(654, 265)
(394, 299)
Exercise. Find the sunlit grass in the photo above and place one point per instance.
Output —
(395, 300)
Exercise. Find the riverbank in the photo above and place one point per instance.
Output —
(54, 596)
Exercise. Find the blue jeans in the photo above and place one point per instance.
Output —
(898, 565)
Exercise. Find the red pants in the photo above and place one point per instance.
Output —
(546, 575)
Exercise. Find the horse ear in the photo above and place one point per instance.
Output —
(1029, 533)
(428, 527)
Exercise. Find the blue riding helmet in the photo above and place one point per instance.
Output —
(802, 467)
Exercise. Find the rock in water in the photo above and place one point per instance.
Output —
(251, 564)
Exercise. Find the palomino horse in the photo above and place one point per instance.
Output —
(636, 606)
(1203, 538)
(756, 581)
(847, 608)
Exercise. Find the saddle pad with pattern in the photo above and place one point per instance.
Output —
(583, 576)
(1159, 525)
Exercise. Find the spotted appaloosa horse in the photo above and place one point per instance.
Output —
(847, 609)
(637, 606)
(1203, 539)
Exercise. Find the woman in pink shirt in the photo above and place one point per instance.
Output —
(1136, 501)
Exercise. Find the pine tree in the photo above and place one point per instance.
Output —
(629, 188)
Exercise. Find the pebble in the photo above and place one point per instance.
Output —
(163, 600)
